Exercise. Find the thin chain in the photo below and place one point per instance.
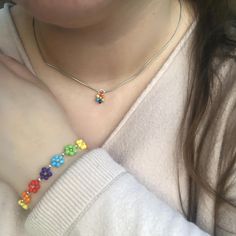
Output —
(133, 76)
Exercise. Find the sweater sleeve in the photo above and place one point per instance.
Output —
(96, 197)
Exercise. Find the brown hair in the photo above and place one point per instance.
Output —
(214, 43)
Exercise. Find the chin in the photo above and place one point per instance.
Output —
(69, 13)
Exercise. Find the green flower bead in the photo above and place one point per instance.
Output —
(70, 150)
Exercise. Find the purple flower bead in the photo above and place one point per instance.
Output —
(45, 173)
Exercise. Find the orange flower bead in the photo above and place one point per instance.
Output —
(26, 197)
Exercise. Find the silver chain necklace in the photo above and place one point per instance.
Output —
(101, 92)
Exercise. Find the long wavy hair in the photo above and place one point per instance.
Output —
(214, 40)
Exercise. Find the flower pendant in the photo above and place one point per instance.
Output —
(100, 96)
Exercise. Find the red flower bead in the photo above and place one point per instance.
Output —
(34, 186)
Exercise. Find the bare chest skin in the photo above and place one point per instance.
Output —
(95, 122)
(92, 121)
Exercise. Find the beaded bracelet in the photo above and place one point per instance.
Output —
(45, 173)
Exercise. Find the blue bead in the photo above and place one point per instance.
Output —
(57, 160)
(99, 100)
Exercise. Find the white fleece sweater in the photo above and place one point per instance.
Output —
(129, 185)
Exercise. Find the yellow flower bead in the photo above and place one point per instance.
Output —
(25, 207)
(81, 144)
(22, 204)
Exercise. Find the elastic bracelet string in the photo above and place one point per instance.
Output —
(46, 172)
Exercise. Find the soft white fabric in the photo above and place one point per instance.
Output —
(128, 186)
(99, 197)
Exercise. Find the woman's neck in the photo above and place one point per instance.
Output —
(115, 47)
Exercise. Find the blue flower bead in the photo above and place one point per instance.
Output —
(57, 160)
(45, 173)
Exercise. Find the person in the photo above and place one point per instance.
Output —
(148, 90)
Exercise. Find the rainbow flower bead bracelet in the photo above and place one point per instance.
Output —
(46, 172)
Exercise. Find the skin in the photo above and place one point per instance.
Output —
(99, 49)
(101, 41)
(26, 132)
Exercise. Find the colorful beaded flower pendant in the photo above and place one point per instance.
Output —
(100, 96)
